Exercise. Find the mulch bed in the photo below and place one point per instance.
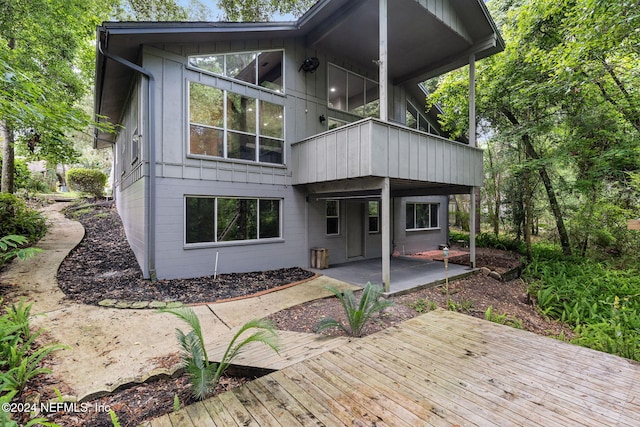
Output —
(103, 266)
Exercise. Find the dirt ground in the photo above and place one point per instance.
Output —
(105, 261)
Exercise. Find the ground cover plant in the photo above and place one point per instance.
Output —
(600, 301)
(20, 362)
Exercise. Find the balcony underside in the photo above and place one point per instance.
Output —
(355, 156)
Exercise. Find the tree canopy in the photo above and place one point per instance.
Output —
(563, 107)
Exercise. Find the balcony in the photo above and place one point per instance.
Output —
(373, 148)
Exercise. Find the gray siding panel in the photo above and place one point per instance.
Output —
(130, 203)
(371, 147)
(175, 260)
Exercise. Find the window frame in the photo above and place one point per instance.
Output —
(256, 134)
(350, 75)
(430, 216)
(194, 67)
(332, 217)
(377, 216)
(215, 220)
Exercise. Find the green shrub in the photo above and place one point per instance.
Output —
(18, 219)
(490, 240)
(357, 315)
(89, 181)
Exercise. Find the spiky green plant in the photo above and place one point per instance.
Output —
(203, 373)
(357, 314)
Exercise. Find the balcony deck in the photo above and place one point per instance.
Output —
(373, 148)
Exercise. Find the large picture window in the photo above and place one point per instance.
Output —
(225, 124)
(422, 216)
(263, 69)
(353, 93)
(226, 219)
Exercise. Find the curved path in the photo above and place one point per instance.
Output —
(109, 347)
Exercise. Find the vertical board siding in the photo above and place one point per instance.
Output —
(374, 148)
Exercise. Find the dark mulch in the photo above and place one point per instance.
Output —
(103, 266)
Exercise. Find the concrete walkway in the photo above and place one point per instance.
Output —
(109, 347)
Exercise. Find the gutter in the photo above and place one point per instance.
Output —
(150, 185)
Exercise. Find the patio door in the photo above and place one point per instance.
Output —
(355, 229)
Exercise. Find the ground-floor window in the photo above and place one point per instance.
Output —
(374, 217)
(228, 219)
(422, 216)
(333, 217)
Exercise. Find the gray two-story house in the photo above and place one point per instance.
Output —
(242, 146)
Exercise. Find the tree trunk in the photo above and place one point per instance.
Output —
(546, 180)
(7, 184)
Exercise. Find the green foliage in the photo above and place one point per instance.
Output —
(502, 319)
(455, 236)
(619, 334)
(464, 305)
(20, 357)
(598, 300)
(17, 219)
(422, 305)
(358, 314)
(490, 240)
(114, 418)
(262, 10)
(10, 247)
(89, 181)
(203, 373)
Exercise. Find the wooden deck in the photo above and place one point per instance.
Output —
(439, 369)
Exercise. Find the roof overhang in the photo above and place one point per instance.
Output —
(423, 41)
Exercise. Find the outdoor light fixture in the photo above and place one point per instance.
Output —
(322, 118)
(309, 65)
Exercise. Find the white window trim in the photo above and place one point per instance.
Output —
(414, 216)
(347, 111)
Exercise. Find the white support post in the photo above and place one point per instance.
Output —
(385, 219)
(383, 63)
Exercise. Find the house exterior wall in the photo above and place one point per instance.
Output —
(408, 242)
(180, 174)
(129, 180)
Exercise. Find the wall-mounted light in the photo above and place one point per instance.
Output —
(310, 64)
(322, 119)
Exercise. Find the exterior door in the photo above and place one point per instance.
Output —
(355, 229)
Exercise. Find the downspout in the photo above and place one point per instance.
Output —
(151, 182)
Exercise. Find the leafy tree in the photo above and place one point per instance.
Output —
(45, 66)
(562, 103)
(262, 10)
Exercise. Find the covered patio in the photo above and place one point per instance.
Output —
(407, 274)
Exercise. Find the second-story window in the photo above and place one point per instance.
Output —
(353, 93)
(262, 68)
(230, 125)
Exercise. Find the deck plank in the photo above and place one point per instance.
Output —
(199, 415)
(534, 367)
(439, 369)
(294, 347)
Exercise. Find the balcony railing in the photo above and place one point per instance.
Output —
(371, 147)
